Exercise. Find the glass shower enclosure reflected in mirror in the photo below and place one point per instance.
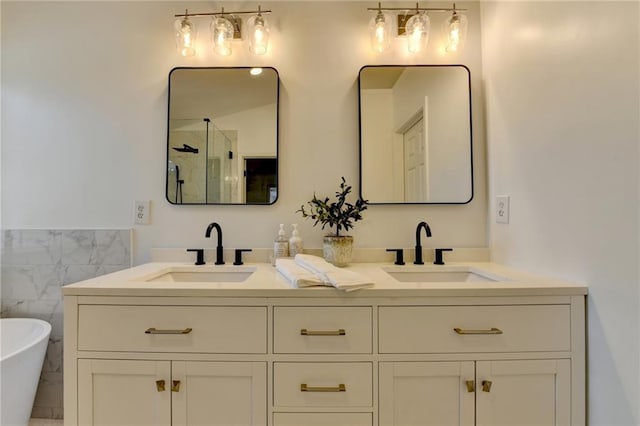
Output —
(201, 170)
(222, 139)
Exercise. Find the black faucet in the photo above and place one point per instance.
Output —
(219, 257)
(421, 225)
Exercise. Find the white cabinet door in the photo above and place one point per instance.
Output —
(536, 392)
(219, 393)
(123, 393)
(426, 393)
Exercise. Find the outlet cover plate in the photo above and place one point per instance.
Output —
(502, 209)
(142, 212)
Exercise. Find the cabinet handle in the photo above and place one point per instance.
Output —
(175, 386)
(339, 332)
(153, 330)
(492, 330)
(340, 388)
(160, 385)
(486, 385)
(471, 385)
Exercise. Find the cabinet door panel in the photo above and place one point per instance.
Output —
(535, 393)
(220, 393)
(123, 393)
(426, 393)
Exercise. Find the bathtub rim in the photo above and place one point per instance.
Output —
(46, 332)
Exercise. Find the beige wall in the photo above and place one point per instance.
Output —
(84, 95)
(562, 93)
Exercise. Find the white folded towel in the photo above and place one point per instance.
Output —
(339, 278)
(348, 280)
(315, 264)
(298, 275)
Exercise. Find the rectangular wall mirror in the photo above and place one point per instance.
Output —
(222, 137)
(415, 134)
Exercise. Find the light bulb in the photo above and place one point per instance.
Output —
(417, 30)
(185, 35)
(221, 36)
(456, 32)
(258, 35)
(380, 32)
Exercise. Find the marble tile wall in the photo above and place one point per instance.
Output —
(35, 265)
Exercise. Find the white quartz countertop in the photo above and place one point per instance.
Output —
(265, 281)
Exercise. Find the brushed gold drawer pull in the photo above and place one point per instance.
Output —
(486, 386)
(471, 385)
(175, 386)
(153, 330)
(492, 330)
(160, 385)
(340, 388)
(339, 332)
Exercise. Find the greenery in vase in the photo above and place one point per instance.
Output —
(339, 213)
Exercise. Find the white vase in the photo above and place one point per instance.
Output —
(338, 250)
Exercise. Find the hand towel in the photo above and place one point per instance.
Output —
(314, 264)
(297, 275)
(348, 280)
(339, 278)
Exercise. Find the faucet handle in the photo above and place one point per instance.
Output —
(199, 256)
(438, 257)
(238, 260)
(399, 256)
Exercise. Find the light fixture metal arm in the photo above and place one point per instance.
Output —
(247, 12)
(417, 8)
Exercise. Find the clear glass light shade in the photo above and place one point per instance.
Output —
(380, 32)
(221, 35)
(455, 32)
(258, 34)
(417, 30)
(185, 34)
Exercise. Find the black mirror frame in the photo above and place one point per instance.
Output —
(166, 192)
(360, 133)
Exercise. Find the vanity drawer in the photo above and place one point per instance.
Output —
(322, 329)
(322, 419)
(432, 329)
(328, 384)
(211, 329)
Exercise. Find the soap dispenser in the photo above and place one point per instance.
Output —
(295, 242)
(281, 245)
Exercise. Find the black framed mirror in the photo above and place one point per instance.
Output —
(415, 134)
(222, 136)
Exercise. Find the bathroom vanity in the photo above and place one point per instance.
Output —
(171, 344)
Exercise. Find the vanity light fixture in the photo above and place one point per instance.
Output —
(380, 31)
(416, 28)
(185, 35)
(225, 27)
(456, 31)
(258, 34)
(221, 35)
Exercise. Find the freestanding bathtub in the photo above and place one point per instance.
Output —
(24, 344)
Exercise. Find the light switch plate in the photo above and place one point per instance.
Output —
(502, 209)
(142, 213)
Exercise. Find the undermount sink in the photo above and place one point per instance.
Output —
(430, 274)
(214, 274)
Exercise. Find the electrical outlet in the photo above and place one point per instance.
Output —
(142, 213)
(502, 209)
